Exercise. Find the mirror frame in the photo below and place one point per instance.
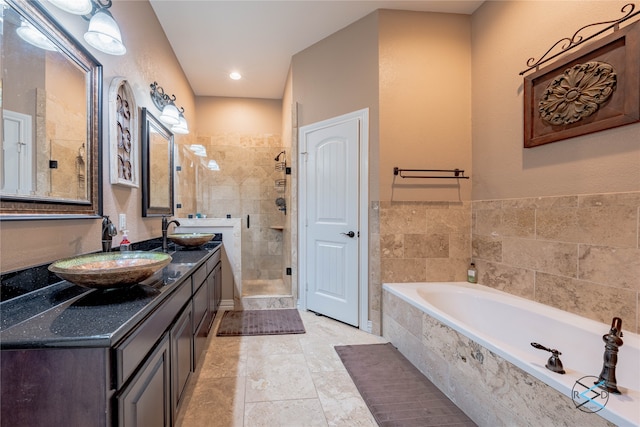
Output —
(42, 208)
(147, 119)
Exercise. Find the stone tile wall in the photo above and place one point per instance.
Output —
(577, 253)
(489, 389)
(416, 242)
(424, 241)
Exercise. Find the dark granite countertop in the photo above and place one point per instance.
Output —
(65, 315)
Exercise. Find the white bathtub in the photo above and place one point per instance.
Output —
(506, 325)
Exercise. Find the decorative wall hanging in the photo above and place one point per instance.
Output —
(595, 88)
(123, 134)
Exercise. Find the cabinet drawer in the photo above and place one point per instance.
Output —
(146, 400)
(134, 349)
(212, 261)
(198, 277)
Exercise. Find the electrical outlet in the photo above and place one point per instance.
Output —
(122, 222)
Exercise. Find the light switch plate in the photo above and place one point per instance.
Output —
(122, 222)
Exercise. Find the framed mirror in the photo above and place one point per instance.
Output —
(157, 166)
(51, 119)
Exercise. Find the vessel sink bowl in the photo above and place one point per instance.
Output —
(190, 239)
(110, 269)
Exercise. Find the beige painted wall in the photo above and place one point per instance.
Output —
(339, 75)
(425, 103)
(505, 35)
(216, 114)
(149, 58)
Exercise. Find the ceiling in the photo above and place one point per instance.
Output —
(212, 38)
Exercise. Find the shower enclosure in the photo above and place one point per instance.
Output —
(249, 181)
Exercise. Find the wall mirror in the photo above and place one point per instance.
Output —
(51, 114)
(157, 166)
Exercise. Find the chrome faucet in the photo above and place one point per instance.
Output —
(108, 231)
(165, 226)
(613, 341)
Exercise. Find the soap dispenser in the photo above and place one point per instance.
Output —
(472, 273)
(125, 244)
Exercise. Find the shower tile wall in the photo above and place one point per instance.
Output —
(577, 253)
(245, 186)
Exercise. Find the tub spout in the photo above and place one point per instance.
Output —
(612, 341)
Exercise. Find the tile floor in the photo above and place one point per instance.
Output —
(277, 380)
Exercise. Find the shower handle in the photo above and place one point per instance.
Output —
(350, 234)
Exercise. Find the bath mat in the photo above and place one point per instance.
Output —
(395, 391)
(260, 322)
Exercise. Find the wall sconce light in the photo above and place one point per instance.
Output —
(31, 35)
(170, 114)
(181, 127)
(103, 32)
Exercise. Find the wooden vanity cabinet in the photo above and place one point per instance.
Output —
(146, 400)
(41, 387)
(181, 356)
(214, 288)
(137, 382)
(201, 312)
(186, 341)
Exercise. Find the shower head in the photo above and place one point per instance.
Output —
(280, 202)
(277, 159)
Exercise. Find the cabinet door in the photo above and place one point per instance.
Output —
(210, 299)
(200, 316)
(214, 285)
(146, 400)
(181, 355)
(218, 286)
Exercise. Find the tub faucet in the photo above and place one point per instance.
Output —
(612, 341)
(108, 231)
(554, 364)
(165, 226)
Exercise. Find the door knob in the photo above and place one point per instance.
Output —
(349, 234)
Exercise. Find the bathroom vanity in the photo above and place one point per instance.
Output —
(79, 357)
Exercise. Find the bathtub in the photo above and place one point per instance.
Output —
(506, 325)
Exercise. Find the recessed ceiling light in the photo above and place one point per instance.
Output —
(235, 76)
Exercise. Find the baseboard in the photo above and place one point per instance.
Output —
(226, 304)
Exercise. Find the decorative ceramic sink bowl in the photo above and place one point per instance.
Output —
(190, 239)
(110, 269)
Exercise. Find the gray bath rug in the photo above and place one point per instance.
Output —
(395, 391)
(260, 322)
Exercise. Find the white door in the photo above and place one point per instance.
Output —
(331, 225)
(17, 153)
